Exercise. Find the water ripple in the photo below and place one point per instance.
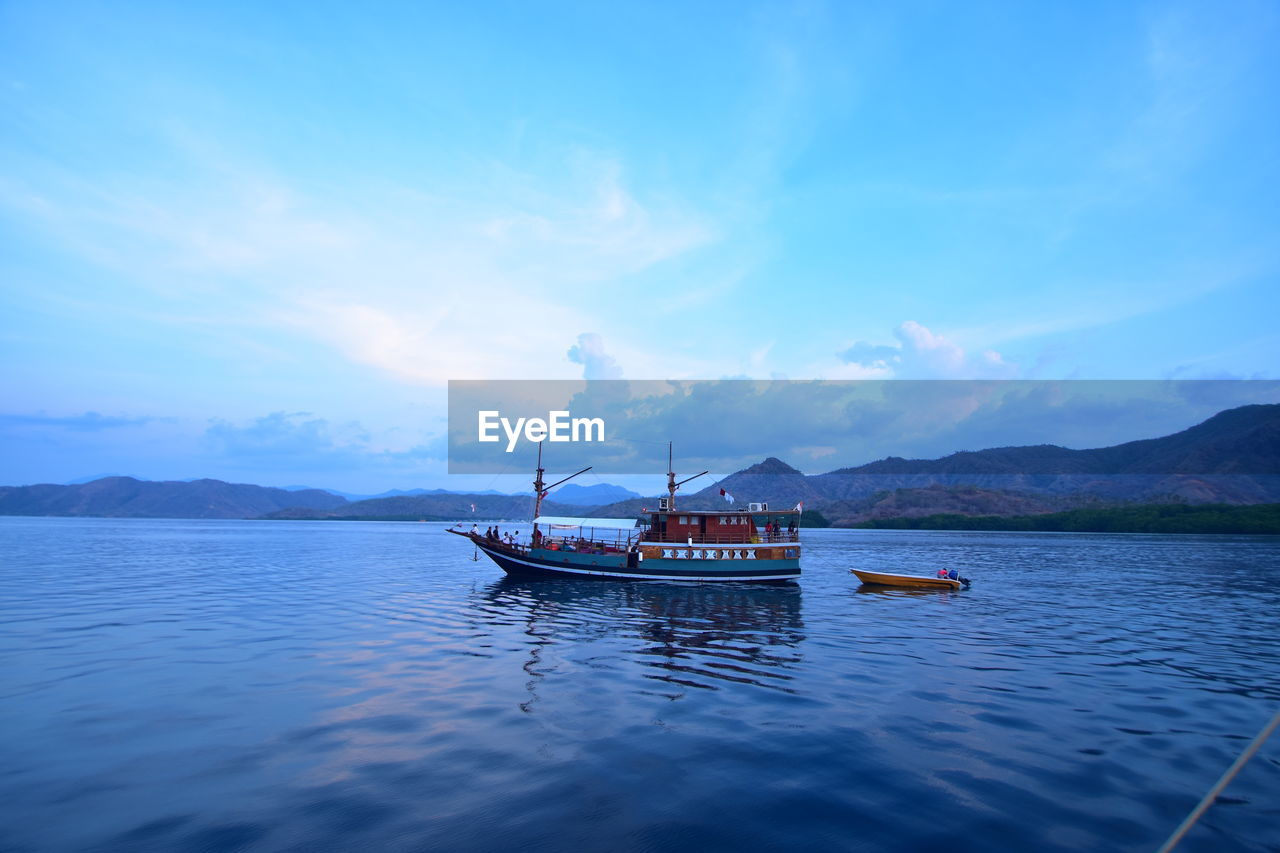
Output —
(195, 685)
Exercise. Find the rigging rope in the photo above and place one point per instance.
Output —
(1217, 789)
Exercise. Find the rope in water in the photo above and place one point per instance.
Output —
(1217, 789)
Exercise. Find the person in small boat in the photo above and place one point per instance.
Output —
(942, 573)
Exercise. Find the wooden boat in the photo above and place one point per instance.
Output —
(912, 581)
(716, 545)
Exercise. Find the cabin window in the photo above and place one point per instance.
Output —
(684, 519)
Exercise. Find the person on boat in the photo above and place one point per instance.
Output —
(537, 537)
(942, 573)
(474, 530)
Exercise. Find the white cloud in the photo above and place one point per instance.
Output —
(468, 282)
(921, 354)
(596, 363)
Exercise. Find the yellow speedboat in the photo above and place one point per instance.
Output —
(912, 581)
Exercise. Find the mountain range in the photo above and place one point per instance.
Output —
(593, 495)
(1233, 457)
(126, 497)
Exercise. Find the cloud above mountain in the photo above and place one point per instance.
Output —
(724, 425)
(921, 353)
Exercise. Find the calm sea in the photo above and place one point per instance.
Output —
(223, 685)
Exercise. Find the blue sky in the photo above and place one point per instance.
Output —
(254, 241)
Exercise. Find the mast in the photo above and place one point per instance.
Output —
(537, 487)
(672, 485)
(540, 489)
(671, 481)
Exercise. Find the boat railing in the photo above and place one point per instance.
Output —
(726, 539)
(571, 544)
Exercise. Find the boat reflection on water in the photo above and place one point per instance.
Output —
(905, 592)
(687, 636)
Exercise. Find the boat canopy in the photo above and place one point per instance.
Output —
(598, 523)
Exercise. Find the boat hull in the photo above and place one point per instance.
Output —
(908, 581)
(622, 566)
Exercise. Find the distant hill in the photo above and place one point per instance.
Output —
(1245, 440)
(772, 481)
(394, 493)
(1147, 518)
(79, 481)
(955, 500)
(593, 495)
(1231, 458)
(125, 497)
(446, 507)
(400, 493)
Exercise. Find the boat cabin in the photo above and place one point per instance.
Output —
(718, 527)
